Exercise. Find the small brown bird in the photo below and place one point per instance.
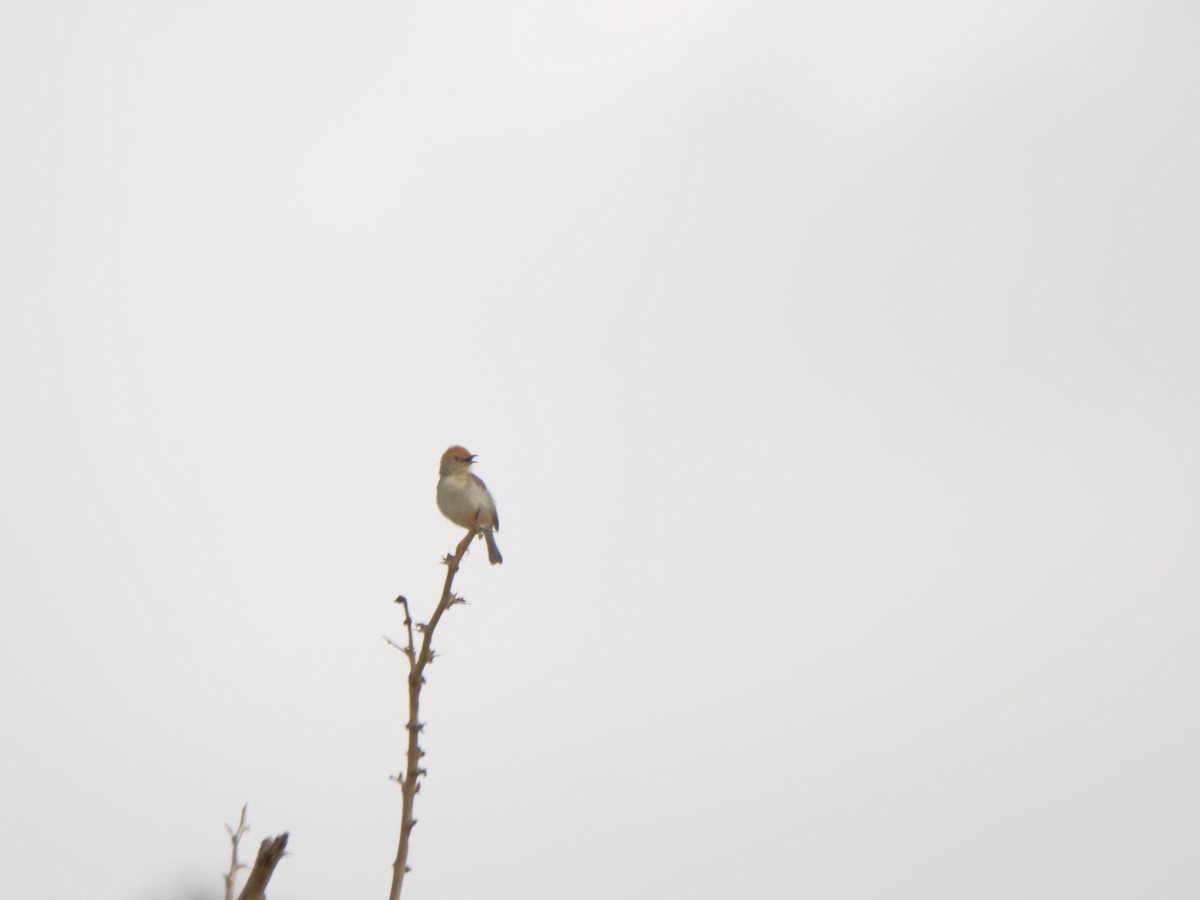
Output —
(464, 499)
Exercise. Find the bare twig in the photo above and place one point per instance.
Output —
(235, 838)
(409, 649)
(270, 852)
(413, 771)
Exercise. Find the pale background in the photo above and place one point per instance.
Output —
(834, 366)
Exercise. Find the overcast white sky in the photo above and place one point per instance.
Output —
(834, 367)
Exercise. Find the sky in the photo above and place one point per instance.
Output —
(833, 366)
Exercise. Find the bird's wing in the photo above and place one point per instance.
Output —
(495, 515)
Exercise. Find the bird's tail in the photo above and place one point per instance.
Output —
(494, 556)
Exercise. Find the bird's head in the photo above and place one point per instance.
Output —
(457, 459)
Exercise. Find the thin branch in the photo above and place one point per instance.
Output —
(270, 852)
(413, 772)
(408, 624)
(235, 838)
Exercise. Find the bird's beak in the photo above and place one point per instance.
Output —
(472, 458)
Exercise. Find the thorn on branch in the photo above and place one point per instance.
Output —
(399, 647)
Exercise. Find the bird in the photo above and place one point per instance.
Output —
(464, 499)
